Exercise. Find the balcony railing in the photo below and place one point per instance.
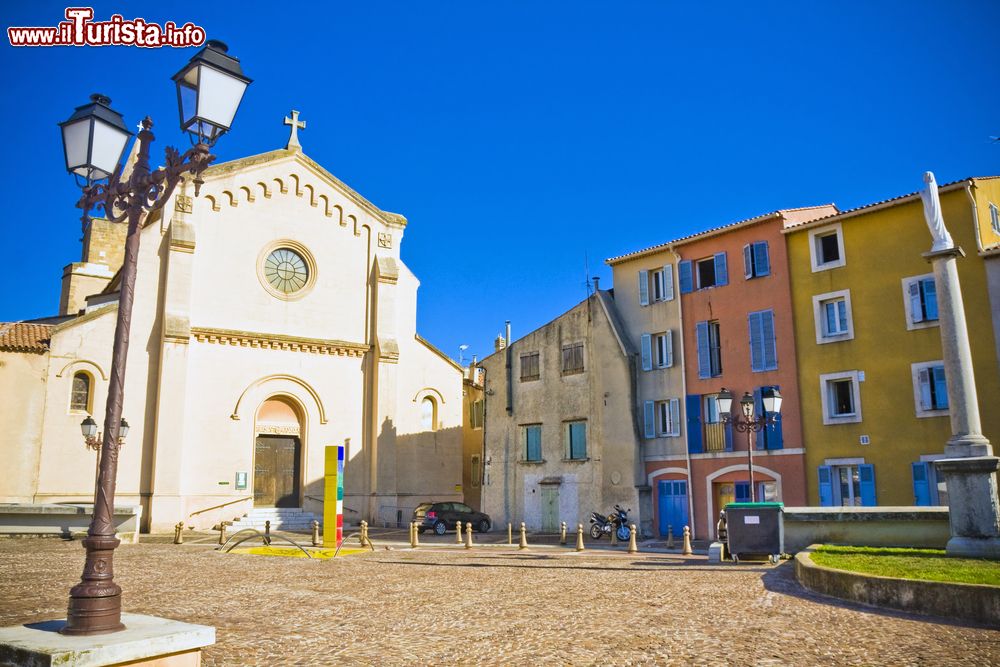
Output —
(715, 437)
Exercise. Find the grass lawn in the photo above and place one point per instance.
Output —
(929, 564)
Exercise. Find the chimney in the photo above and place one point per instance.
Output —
(596, 281)
(499, 343)
(508, 333)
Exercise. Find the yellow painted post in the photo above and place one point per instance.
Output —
(524, 538)
(414, 540)
(562, 533)
(468, 535)
(510, 538)
(579, 537)
(364, 533)
(411, 533)
(633, 548)
(670, 537)
(458, 532)
(315, 526)
(687, 542)
(178, 533)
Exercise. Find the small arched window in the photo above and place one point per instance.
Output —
(79, 399)
(428, 414)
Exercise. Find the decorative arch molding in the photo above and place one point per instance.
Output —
(212, 200)
(429, 391)
(235, 416)
(85, 362)
(282, 188)
(249, 195)
(651, 477)
(264, 190)
(734, 468)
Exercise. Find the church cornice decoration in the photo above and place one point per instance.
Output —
(278, 377)
(268, 341)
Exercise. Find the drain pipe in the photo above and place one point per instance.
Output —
(510, 386)
(687, 447)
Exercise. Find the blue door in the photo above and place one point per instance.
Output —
(673, 506)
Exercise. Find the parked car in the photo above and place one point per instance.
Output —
(441, 517)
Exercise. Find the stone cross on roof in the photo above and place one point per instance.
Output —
(296, 125)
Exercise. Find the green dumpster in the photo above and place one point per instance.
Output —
(756, 531)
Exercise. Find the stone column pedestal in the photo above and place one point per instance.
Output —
(974, 514)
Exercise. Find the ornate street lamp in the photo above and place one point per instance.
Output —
(93, 142)
(771, 398)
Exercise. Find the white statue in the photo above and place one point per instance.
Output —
(932, 213)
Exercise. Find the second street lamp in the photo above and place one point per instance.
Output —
(94, 138)
(771, 400)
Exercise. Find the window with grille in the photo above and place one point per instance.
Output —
(80, 393)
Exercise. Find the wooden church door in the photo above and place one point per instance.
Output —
(277, 468)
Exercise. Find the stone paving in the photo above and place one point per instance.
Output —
(490, 605)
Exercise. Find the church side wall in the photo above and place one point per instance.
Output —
(22, 384)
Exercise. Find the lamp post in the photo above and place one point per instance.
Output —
(209, 90)
(748, 424)
(92, 440)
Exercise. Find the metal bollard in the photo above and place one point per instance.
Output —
(178, 534)
(222, 531)
(468, 535)
(687, 542)
(670, 537)
(524, 538)
(579, 537)
(510, 538)
(458, 532)
(267, 532)
(562, 533)
(414, 540)
(364, 534)
(633, 548)
(315, 525)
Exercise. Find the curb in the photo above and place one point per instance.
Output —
(971, 602)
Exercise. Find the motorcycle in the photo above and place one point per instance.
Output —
(617, 521)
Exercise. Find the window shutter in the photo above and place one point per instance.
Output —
(693, 408)
(758, 410)
(761, 259)
(670, 347)
(924, 380)
(649, 413)
(940, 387)
(916, 312)
(769, 345)
(742, 492)
(825, 486)
(647, 352)
(930, 298)
(675, 416)
(747, 262)
(684, 276)
(728, 433)
(921, 485)
(721, 272)
(867, 473)
(644, 288)
(668, 283)
(704, 359)
(756, 343)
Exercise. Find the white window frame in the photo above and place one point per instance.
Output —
(663, 358)
(656, 282)
(917, 403)
(669, 405)
(910, 324)
(829, 418)
(819, 317)
(995, 218)
(823, 231)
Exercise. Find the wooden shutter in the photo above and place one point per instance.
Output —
(929, 289)
(940, 388)
(644, 288)
(702, 343)
(675, 416)
(668, 283)
(747, 262)
(924, 380)
(670, 347)
(769, 344)
(721, 272)
(761, 259)
(685, 277)
(649, 414)
(916, 312)
(826, 486)
(866, 471)
(647, 352)
(921, 483)
(756, 343)
(693, 408)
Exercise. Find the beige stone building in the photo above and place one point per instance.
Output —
(273, 316)
(560, 440)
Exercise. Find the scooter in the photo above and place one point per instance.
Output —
(617, 521)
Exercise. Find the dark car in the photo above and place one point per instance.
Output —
(441, 517)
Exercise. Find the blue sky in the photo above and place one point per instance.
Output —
(524, 141)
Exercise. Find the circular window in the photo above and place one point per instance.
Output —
(286, 269)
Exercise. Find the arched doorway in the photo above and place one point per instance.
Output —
(277, 469)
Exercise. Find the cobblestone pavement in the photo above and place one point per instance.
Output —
(490, 605)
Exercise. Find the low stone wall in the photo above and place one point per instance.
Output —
(64, 520)
(971, 602)
(918, 527)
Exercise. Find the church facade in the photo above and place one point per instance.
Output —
(273, 316)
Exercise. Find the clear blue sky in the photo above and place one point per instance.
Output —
(520, 138)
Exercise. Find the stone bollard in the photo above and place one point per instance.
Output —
(670, 537)
(562, 533)
(315, 525)
(686, 550)
(178, 533)
(364, 534)
(468, 535)
(411, 533)
(579, 537)
(267, 532)
(222, 531)
(414, 540)
(614, 535)
(510, 538)
(458, 532)
(524, 538)
(633, 548)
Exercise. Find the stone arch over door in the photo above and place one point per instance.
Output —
(279, 451)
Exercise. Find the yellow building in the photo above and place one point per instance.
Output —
(874, 401)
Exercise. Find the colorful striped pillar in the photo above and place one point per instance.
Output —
(333, 496)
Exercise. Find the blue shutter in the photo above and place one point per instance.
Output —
(675, 416)
(646, 347)
(921, 485)
(769, 345)
(929, 290)
(825, 486)
(742, 492)
(940, 388)
(721, 273)
(694, 424)
(756, 343)
(867, 473)
(704, 356)
(644, 288)
(747, 262)
(916, 312)
(728, 431)
(761, 259)
(668, 282)
(684, 276)
(758, 410)
(649, 415)
(533, 435)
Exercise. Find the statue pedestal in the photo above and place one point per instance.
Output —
(146, 640)
(973, 510)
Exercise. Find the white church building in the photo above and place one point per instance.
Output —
(273, 316)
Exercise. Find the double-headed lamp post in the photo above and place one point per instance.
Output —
(771, 398)
(209, 90)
